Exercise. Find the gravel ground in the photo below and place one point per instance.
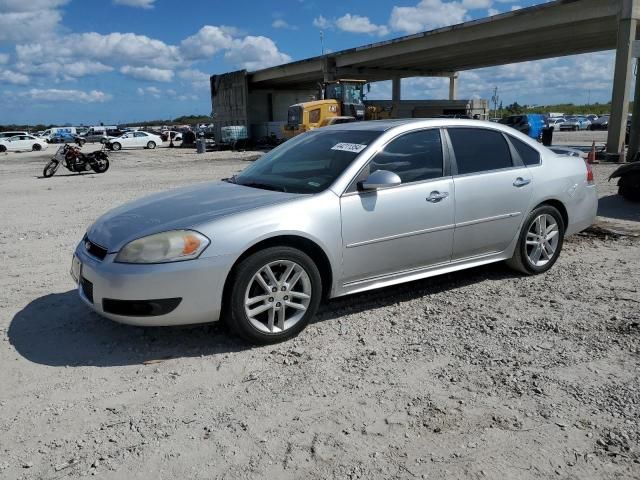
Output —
(477, 374)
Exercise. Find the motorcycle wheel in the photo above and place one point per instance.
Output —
(101, 166)
(50, 169)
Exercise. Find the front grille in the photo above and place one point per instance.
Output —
(140, 308)
(94, 249)
(87, 288)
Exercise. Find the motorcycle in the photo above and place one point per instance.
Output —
(76, 161)
(629, 180)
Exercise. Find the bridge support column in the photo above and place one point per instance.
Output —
(622, 79)
(396, 95)
(453, 87)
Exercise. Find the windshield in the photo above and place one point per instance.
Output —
(308, 163)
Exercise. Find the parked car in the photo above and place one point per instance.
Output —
(101, 133)
(19, 143)
(572, 152)
(555, 122)
(601, 123)
(530, 124)
(64, 137)
(575, 124)
(135, 140)
(171, 134)
(334, 211)
(592, 117)
(4, 135)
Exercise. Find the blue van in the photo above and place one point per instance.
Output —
(530, 124)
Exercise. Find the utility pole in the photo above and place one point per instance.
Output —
(321, 42)
(495, 99)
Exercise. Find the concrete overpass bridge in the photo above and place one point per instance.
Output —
(554, 29)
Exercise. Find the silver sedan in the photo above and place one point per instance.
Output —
(331, 212)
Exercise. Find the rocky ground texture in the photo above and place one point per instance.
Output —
(477, 374)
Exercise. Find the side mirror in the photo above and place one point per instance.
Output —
(380, 179)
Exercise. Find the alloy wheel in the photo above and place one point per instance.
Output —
(542, 240)
(277, 296)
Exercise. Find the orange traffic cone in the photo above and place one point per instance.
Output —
(591, 158)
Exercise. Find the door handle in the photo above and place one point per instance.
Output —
(521, 182)
(435, 196)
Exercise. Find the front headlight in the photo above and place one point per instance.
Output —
(173, 246)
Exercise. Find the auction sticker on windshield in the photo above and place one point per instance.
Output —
(349, 147)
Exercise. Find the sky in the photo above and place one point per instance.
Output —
(116, 61)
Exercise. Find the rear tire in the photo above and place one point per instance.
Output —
(533, 243)
(297, 282)
(116, 146)
(50, 169)
(3, 149)
(151, 145)
(102, 166)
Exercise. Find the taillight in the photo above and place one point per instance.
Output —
(589, 172)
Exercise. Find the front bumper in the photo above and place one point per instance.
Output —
(197, 283)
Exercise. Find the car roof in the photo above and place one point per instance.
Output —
(385, 125)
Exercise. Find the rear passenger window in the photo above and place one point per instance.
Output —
(413, 157)
(529, 155)
(479, 150)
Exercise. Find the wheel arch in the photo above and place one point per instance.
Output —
(304, 244)
(558, 205)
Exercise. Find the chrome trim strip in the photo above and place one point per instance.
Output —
(488, 219)
(427, 268)
(400, 235)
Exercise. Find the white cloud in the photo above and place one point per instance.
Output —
(492, 11)
(427, 15)
(321, 22)
(148, 73)
(254, 53)
(4, 58)
(359, 24)
(197, 78)
(59, 70)
(153, 91)
(135, 3)
(16, 78)
(283, 24)
(122, 48)
(515, 7)
(476, 4)
(26, 20)
(208, 41)
(57, 95)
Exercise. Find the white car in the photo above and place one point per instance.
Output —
(5, 135)
(135, 140)
(22, 142)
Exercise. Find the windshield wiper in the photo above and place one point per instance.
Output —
(231, 179)
(264, 186)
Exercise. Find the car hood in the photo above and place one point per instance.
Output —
(182, 208)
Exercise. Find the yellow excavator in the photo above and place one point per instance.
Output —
(342, 102)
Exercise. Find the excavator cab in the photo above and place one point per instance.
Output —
(342, 101)
(350, 94)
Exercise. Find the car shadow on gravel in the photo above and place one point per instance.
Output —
(614, 206)
(59, 330)
(404, 292)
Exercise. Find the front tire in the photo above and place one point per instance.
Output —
(50, 169)
(151, 145)
(274, 294)
(3, 149)
(36, 147)
(116, 146)
(540, 241)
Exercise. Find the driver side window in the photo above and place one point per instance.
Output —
(414, 157)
